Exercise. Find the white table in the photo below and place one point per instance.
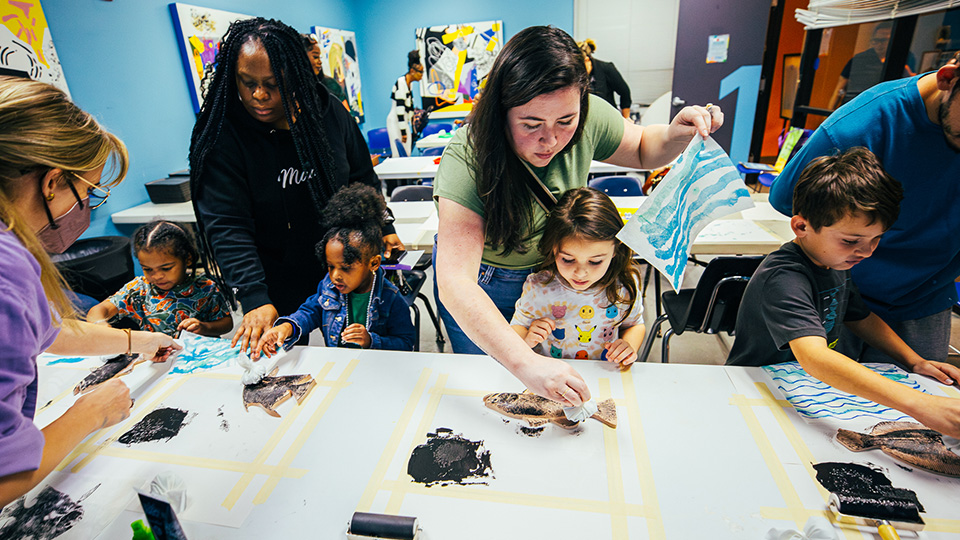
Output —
(434, 140)
(699, 452)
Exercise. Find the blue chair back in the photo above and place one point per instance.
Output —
(379, 141)
(401, 151)
(617, 186)
(435, 151)
(435, 128)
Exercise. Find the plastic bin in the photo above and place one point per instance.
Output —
(97, 267)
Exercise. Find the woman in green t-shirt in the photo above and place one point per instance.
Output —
(536, 120)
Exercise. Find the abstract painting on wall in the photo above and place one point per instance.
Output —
(457, 57)
(26, 46)
(338, 51)
(702, 186)
(199, 30)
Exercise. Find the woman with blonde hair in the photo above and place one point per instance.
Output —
(52, 156)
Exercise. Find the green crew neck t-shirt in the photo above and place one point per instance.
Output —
(358, 307)
(602, 133)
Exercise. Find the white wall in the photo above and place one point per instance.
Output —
(639, 36)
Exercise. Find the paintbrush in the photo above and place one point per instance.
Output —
(886, 514)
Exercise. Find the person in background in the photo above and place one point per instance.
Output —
(532, 139)
(401, 108)
(269, 149)
(316, 62)
(865, 69)
(170, 296)
(52, 158)
(913, 127)
(802, 294)
(605, 79)
(583, 303)
(355, 305)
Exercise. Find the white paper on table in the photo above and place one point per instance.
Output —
(702, 186)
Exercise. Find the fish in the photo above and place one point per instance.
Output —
(113, 367)
(270, 392)
(538, 411)
(908, 442)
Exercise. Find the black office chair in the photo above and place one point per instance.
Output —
(709, 308)
(411, 281)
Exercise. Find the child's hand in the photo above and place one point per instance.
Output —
(621, 352)
(945, 373)
(271, 340)
(539, 330)
(191, 325)
(356, 333)
(940, 413)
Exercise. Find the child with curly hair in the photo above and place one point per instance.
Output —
(355, 305)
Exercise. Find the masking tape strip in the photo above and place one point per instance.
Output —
(648, 487)
(429, 413)
(202, 463)
(366, 500)
(942, 525)
(951, 391)
(523, 499)
(65, 393)
(234, 495)
(618, 522)
(162, 390)
(297, 445)
(777, 471)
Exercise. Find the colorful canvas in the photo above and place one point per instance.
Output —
(26, 46)
(457, 57)
(815, 399)
(199, 30)
(702, 185)
(338, 50)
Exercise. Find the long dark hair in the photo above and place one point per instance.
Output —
(298, 90)
(588, 214)
(538, 60)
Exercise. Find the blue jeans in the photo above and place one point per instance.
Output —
(503, 286)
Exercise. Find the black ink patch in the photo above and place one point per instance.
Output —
(224, 425)
(449, 459)
(530, 431)
(868, 492)
(52, 514)
(113, 367)
(159, 424)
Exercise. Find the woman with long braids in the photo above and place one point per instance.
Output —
(535, 131)
(269, 149)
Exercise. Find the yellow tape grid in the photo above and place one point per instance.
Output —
(795, 511)
(249, 469)
(616, 507)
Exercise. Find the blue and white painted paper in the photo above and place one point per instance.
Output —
(201, 353)
(813, 398)
(702, 186)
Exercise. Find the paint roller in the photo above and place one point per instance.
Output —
(366, 526)
(887, 514)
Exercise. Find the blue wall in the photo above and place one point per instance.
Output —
(122, 63)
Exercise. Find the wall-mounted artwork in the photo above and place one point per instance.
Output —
(457, 57)
(199, 30)
(338, 50)
(26, 46)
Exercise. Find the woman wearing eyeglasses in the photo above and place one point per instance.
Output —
(399, 126)
(52, 156)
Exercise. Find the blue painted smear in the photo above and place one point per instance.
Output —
(203, 354)
(813, 398)
(70, 360)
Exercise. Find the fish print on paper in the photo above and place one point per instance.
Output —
(538, 411)
(908, 442)
(702, 185)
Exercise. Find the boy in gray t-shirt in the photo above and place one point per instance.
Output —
(801, 293)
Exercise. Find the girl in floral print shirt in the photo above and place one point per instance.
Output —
(583, 302)
(170, 296)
